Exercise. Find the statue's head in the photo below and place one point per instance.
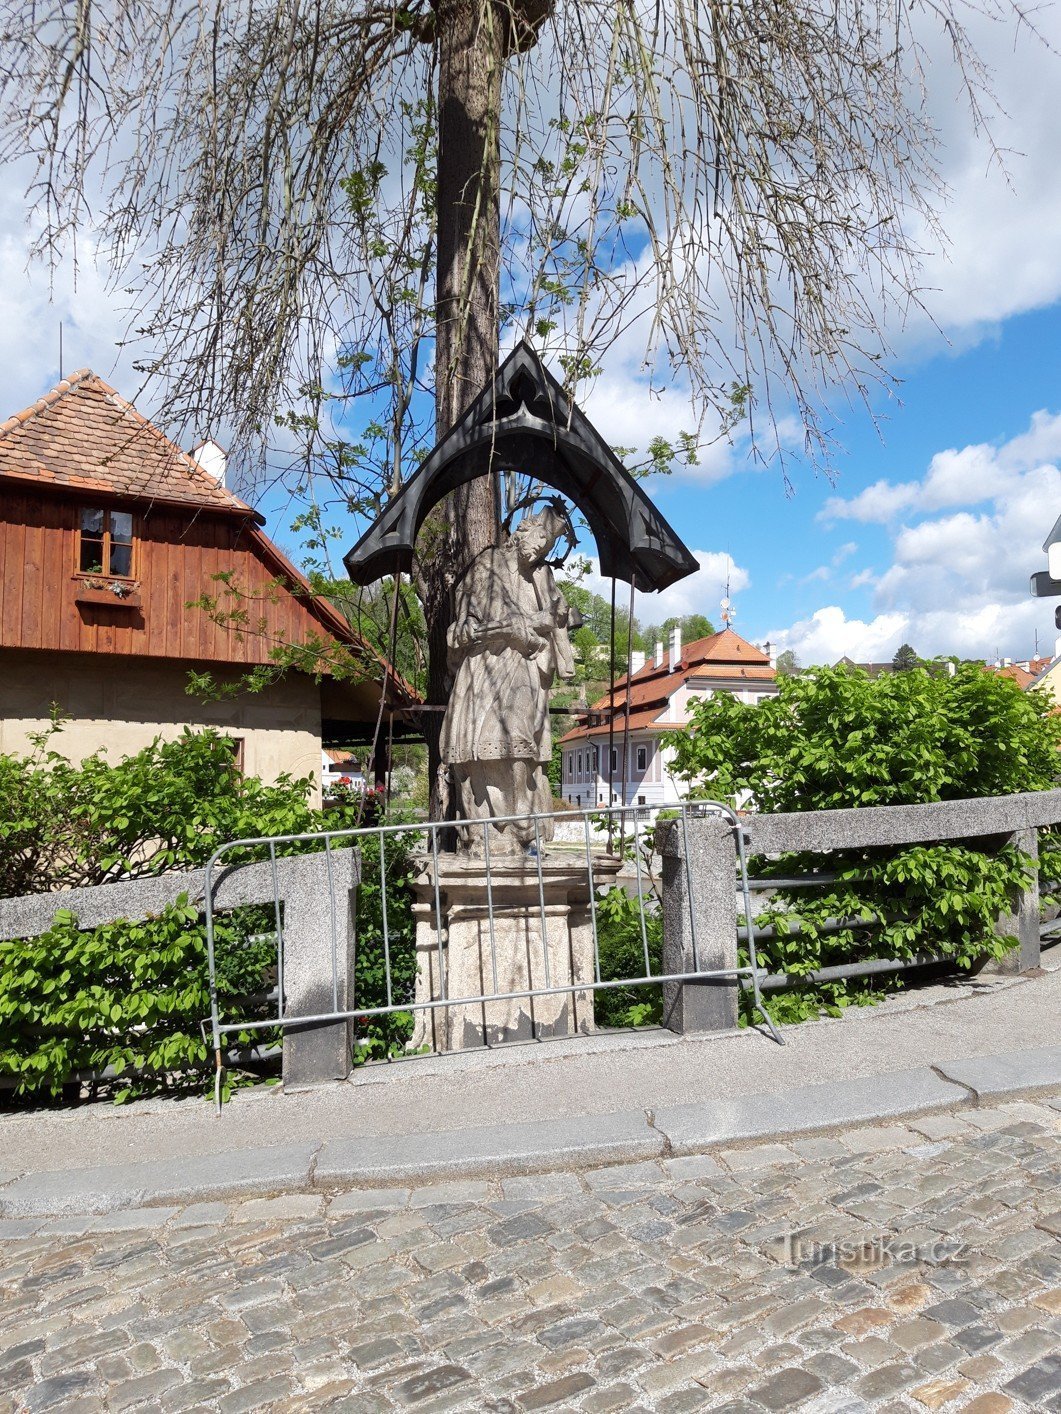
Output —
(537, 533)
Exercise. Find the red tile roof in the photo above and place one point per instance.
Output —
(724, 656)
(85, 436)
(639, 721)
(1021, 675)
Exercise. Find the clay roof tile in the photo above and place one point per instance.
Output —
(85, 435)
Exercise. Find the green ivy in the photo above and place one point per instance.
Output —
(127, 997)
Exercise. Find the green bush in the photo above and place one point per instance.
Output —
(622, 947)
(834, 738)
(129, 996)
(133, 996)
(379, 1036)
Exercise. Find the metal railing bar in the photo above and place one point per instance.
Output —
(323, 1018)
(689, 889)
(438, 915)
(641, 899)
(215, 1016)
(757, 883)
(541, 899)
(592, 904)
(775, 981)
(279, 930)
(490, 907)
(386, 929)
(434, 826)
(749, 926)
(794, 928)
(331, 910)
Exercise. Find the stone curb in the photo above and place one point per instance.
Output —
(381, 1161)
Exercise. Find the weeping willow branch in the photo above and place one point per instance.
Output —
(740, 193)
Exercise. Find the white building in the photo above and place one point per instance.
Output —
(339, 768)
(662, 693)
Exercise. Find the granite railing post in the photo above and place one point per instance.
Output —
(1022, 920)
(319, 892)
(699, 883)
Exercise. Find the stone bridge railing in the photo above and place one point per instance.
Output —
(317, 892)
(712, 863)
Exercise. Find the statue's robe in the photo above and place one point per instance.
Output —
(507, 641)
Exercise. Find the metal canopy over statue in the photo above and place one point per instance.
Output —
(501, 918)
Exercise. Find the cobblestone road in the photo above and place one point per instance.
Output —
(889, 1268)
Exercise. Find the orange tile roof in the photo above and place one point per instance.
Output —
(1023, 676)
(639, 721)
(85, 436)
(722, 656)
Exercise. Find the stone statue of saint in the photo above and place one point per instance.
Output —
(508, 639)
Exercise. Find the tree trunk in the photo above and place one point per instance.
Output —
(471, 56)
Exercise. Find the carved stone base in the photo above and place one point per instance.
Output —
(473, 957)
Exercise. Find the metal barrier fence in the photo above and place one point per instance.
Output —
(684, 872)
(546, 905)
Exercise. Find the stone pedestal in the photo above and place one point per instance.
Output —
(520, 931)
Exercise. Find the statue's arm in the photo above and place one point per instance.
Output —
(485, 618)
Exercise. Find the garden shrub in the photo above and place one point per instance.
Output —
(835, 738)
(132, 995)
(622, 947)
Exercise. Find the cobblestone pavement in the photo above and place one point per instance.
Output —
(893, 1267)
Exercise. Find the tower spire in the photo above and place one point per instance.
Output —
(726, 604)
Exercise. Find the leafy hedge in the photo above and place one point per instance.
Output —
(835, 738)
(131, 997)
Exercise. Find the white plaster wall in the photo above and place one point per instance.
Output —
(122, 704)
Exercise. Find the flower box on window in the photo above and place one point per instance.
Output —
(112, 594)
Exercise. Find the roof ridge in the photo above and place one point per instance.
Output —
(46, 400)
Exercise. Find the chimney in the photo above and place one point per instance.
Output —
(637, 661)
(659, 653)
(771, 653)
(675, 647)
(212, 458)
(1007, 662)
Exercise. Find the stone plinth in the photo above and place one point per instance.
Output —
(464, 959)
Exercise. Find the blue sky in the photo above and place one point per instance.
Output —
(794, 560)
(928, 535)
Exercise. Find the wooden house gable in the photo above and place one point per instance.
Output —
(108, 532)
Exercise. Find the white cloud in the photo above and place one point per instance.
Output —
(627, 413)
(989, 631)
(958, 582)
(829, 635)
(882, 502)
(698, 594)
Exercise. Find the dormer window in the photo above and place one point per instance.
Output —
(106, 543)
